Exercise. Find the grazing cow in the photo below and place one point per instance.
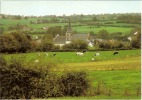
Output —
(79, 53)
(97, 54)
(115, 53)
(83, 51)
(93, 59)
(54, 54)
(36, 61)
(46, 54)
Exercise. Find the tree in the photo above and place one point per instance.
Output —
(136, 40)
(55, 30)
(23, 41)
(17, 17)
(47, 43)
(79, 44)
(103, 34)
(8, 43)
(94, 19)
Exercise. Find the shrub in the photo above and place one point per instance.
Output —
(8, 43)
(46, 43)
(20, 82)
(76, 44)
(2, 61)
(46, 46)
(23, 40)
(105, 45)
(14, 42)
(136, 40)
(74, 83)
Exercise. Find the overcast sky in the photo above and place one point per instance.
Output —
(43, 7)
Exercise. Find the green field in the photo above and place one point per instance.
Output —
(75, 26)
(71, 57)
(86, 29)
(119, 81)
(120, 73)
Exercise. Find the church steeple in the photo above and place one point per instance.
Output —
(69, 32)
(69, 27)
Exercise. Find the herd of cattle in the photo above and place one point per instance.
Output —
(78, 54)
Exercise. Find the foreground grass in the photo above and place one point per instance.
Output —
(120, 73)
(96, 97)
(124, 84)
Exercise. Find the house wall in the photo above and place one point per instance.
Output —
(68, 42)
(60, 45)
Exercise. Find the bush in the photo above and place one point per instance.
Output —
(8, 43)
(46, 43)
(76, 44)
(105, 45)
(14, 42)
(2, 61)
(46, 46)
(24, 42)
(136, 40)
(20, 82)
(74, 83)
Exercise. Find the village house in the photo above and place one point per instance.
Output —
(70, 36)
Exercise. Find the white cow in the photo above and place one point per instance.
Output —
(97, 54)
(80, 53)
(93, 59)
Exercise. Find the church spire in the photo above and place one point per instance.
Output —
(69, 27)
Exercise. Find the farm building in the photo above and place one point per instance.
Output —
(62, 40)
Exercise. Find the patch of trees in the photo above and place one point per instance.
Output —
(94, 19)
(42, 21)
(128, 18)
(56, 30)
(118, 40)
(103, 34)
(18, 27)
(76, 44)
(14, 42)
(46, 43)
(111, 45)
(17, 17)
(136, 40)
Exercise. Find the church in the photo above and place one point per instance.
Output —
(62, 40)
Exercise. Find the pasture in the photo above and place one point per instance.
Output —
(87, 29)
(119, 81)
(118, 73)
(71, 57)
(79, 27)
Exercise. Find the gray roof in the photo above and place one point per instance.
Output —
(79, 37)
(60, 40)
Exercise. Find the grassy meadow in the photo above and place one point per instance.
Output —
(119, 74)
(71, 57)
(79, 27)
(85, 29)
